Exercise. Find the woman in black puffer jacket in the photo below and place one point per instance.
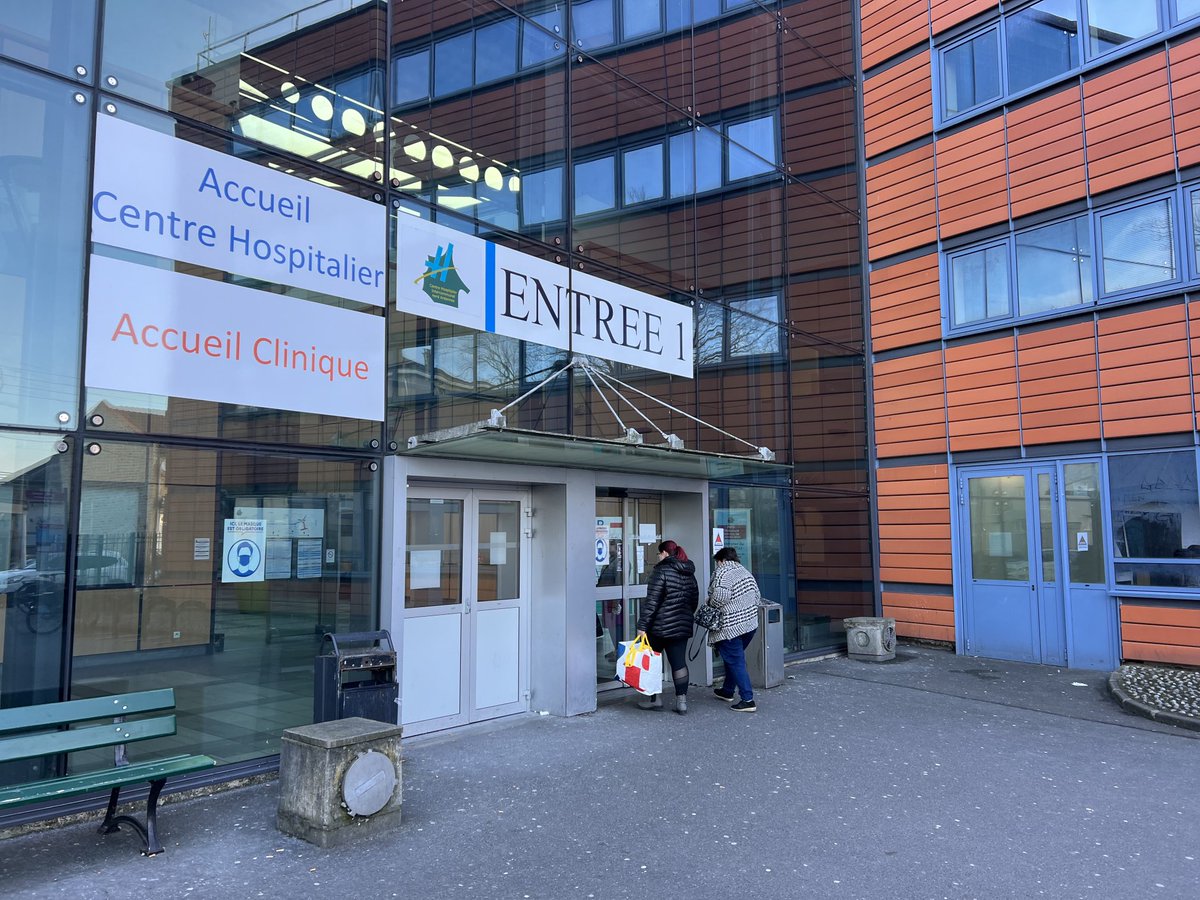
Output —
(666, 617)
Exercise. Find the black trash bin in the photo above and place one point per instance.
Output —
(358, 678)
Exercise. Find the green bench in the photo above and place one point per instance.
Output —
(55, 728)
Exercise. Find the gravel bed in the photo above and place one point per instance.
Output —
(1174, 690)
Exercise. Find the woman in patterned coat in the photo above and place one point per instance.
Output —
(735, 594)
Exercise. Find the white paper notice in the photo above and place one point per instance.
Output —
(279, 558)
(641, 559)
(424, 569)
(201, 548)
(1081, 541)
(308, 558)
(498, 548)
(647, 533)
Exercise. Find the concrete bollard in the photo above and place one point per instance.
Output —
(339, 780)
(870, 638)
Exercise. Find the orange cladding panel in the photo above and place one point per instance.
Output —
(1060, 393)
(905, 303)
(909, 408)
(928, 617)
(1127, 124)
(947, 13)
(914, 524)
(1185, 100)
(889, 27)
(901, 212)
(981, 395)
(1145, 381)
(1160, 634)
(1045, 152)
(898, 105)
(972, 178)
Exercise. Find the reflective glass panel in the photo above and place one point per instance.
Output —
(1196, 230)
(642, 171)
(1054, 267)
(499, 563)
(51, 34)
(710, 334)
(538, 45)
(595, 185)
(34, 505)
(1042, 41)
(999, 528)
(1086, 539)
(979, 285)
(452, 60)
(410, 78)
(1138, 247)
(753, 326)
(695, 162)
(433, 574)
(1185, 9)
(542, 196)
(970, 73)
(496, 51)
(1155, 516)
(1112, 23)
(216, 574)
(1046, 525)
(43, 195)
(681, 13)
(593, 23)
(640, 17)
(751, 147)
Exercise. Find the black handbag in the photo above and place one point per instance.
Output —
(708, 617)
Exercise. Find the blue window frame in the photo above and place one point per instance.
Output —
(1054, 267)
(1186, 9)
(1155, 512)
(1113, 23)
(410, 77)
(970, 73)
(1042, 42)
(1137, 246)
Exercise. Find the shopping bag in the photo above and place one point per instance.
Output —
(640, 667)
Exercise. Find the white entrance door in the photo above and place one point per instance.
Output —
(466, 608)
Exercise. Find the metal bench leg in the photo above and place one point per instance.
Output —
(148, 832)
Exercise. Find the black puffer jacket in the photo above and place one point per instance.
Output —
(671, 598)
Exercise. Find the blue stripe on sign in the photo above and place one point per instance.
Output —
(490, 300)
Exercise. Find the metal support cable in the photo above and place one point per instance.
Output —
(645, 418)
(587, 370)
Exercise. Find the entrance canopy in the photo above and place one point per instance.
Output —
(493, 441)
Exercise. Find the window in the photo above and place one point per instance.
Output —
(740, 329)
(1054, 267)
(1042, 41)
(452, 64)
(979, 285)
(592, 22)
(970, 73)
(1195, 195)
(1155, 519)
(642, 171)
(542, 196)
(1112, 23)
(640, 17)
(595, 185)
(496, 51)
(681, 13)
(410, 78)
(1185, 9)
(695, 162)
(1137, 247)
(751, 147)
(538, 44)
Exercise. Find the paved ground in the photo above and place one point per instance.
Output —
(934, 776)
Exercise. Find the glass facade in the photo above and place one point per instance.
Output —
(586, 135)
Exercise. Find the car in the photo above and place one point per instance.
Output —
(12, 580)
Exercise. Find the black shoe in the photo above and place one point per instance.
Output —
(728, 698)
(745, 706)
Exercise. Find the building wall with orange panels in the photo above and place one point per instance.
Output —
(910, 406)
(948, 13)
(914, 524)
(1145, 373)
(928, 617)
(1045, 152)
(890, 27)
(1060, 388)
(1160, 634)
(981, 395)
(898, 105)
(905, 304)
(901, 209)
(1185, 100)
(972, 178)
(1127, 123)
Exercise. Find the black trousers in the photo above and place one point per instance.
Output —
(676, 653)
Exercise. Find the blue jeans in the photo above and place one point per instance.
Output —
(733, 654)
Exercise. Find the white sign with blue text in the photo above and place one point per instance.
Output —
(243, 555)
(458, 278)
(157, 194)
(159, 332)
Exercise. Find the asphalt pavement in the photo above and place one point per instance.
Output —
(931, 776)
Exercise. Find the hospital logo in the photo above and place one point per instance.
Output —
(441, 281)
